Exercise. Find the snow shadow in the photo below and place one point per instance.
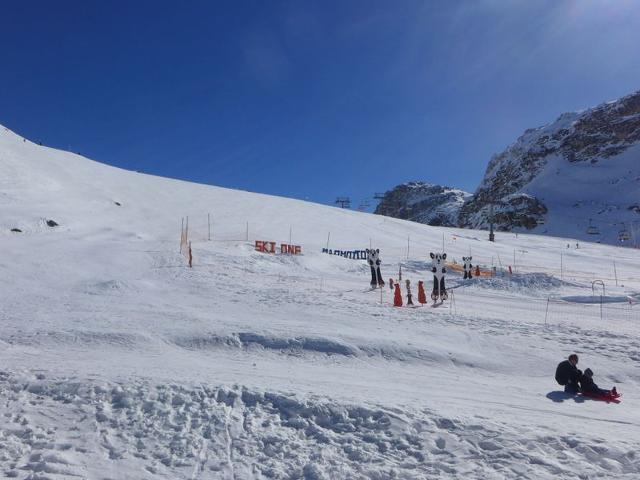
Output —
(268, 342)
(589, 299)
(560, 396)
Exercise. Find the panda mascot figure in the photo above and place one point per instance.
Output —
(373, 258)
(438, 269)
(468, 268)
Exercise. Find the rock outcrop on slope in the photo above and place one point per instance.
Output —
(424, 203)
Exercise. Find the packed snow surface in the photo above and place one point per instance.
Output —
(118, 361)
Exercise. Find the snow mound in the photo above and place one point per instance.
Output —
(174, 431)
(520, 283)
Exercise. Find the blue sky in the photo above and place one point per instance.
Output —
(308, 99)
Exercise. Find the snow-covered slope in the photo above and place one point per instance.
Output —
(424, 203)
(118, 361)
(578, 176)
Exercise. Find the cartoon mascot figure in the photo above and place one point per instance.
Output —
(438, 268)
(468, 268)
(373, 258)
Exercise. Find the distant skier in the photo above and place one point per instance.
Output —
(567, 374)
(589, 387)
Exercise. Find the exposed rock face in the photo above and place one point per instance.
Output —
(514, 180)
(519, 210)
(578, 177)
(424, 203)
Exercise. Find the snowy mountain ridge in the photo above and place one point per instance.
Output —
(577, 171)
(577, 176)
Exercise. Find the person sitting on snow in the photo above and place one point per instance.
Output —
(588, 386)
(567, 374)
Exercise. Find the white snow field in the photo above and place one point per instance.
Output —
(117, 361)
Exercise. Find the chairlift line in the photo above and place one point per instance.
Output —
(623, 234)
(592, 229)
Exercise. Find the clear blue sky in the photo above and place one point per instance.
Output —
(308, 99)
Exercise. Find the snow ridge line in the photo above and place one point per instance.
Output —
(248, 339)
(76, 337)
(310, 345)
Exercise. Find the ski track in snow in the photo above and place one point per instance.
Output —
(174, 430)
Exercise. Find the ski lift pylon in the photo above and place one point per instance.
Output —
(592, 229)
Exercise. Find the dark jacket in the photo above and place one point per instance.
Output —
(567, 373)
(588, 386)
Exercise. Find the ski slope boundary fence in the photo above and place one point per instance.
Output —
(570, 265)
(472, 301)
(550, 311)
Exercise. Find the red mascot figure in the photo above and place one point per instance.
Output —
(397, 296)
(422, 297)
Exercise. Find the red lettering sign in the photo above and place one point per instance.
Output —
(270, 247)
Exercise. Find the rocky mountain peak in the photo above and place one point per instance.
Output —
(565, 178)
(424, 203)
(534, 175)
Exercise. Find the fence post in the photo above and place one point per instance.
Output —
(546, 313)
(328, 237)
(452, 304)
(181, 234)
(601, 319)
(603, 294)
(615, 273)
